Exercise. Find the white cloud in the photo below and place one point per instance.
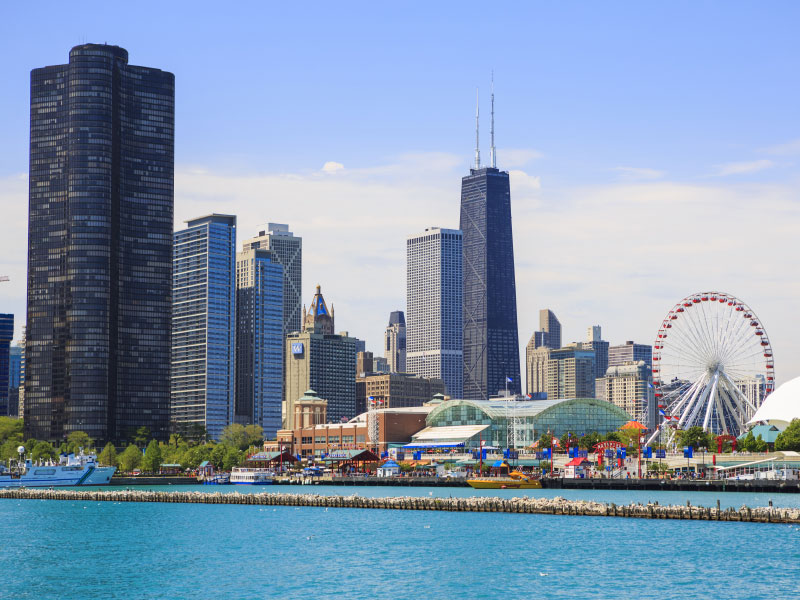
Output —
(741, 168)
(331, 167)
(638, 173)
(788, 148)
(13, 247)
(517, 157)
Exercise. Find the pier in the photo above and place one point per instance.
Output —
(520, 505)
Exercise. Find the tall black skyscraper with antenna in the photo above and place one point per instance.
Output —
(491, 344)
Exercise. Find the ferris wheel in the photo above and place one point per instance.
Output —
(712, 365)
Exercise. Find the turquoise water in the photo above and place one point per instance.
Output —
(55, 549)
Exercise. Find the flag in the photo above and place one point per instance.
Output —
(529, 396)
(649, 384)
(509, 380)
(662, 413)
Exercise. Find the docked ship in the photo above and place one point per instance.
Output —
(516, 480)
(248, 476)
(70, 470)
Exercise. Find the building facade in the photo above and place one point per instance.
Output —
(536, 361)
(630, 352)
(628, 386)
(203, 325)
(16, 379)
(99, 247)
(6, 335)
(260, 301)
(395, 342)
(434, 306)
(596, 344)
(491, 339)
(570, 373)
(549, 334)
(395, 428)
(396, 390)
(322, 361)
(287, 251)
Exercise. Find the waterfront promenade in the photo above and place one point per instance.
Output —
(519, 505)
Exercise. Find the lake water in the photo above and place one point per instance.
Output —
(55, 549)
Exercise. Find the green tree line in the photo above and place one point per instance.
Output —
(235, 443)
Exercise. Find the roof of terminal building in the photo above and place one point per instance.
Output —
(496, 409)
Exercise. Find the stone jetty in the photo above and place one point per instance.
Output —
(525, 505)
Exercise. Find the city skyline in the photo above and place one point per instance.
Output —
(582, 170)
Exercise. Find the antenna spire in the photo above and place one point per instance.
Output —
(493, 152)
(477, 132)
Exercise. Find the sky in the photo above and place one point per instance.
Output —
(653, 148)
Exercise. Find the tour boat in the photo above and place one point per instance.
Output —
(70, 470)
(246, 476)
(515, 481)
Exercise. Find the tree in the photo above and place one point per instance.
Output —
(152, 457)
(590, 439)
(235, 436)
(233, 458)
(108, 456)
(141, 436)
(748, 444)
(544, 441)
(43, 450)
(77, 440)
(10, 428)
(789, 439)
(218, 456)
(130, 458)
(760, 445)
(695, 437)
(255, 435)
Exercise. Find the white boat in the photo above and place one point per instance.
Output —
(246, 476)
(70, 470)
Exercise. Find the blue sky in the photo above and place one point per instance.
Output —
(653, 148)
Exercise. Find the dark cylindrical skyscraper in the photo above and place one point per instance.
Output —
(99, 247)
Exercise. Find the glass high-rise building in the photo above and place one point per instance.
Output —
(287, 251)
(99, 247)
(16, 379)
(204, 325)
(491, 341)
(433, 307)
(6, 335)
(259, 340)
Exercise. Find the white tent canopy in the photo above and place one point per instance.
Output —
(781, 406)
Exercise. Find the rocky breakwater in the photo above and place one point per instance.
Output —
(522, 505)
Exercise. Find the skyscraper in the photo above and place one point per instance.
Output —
(6, 335)
(99, 247)
(319, 360)
(259, 340)
(570, 373)
(434, 308)
(287, 251)
(630, 352)
(595, 342)
(395, 342)
(203, 325)
(548, 337)
(16, 379)
(491, 342)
